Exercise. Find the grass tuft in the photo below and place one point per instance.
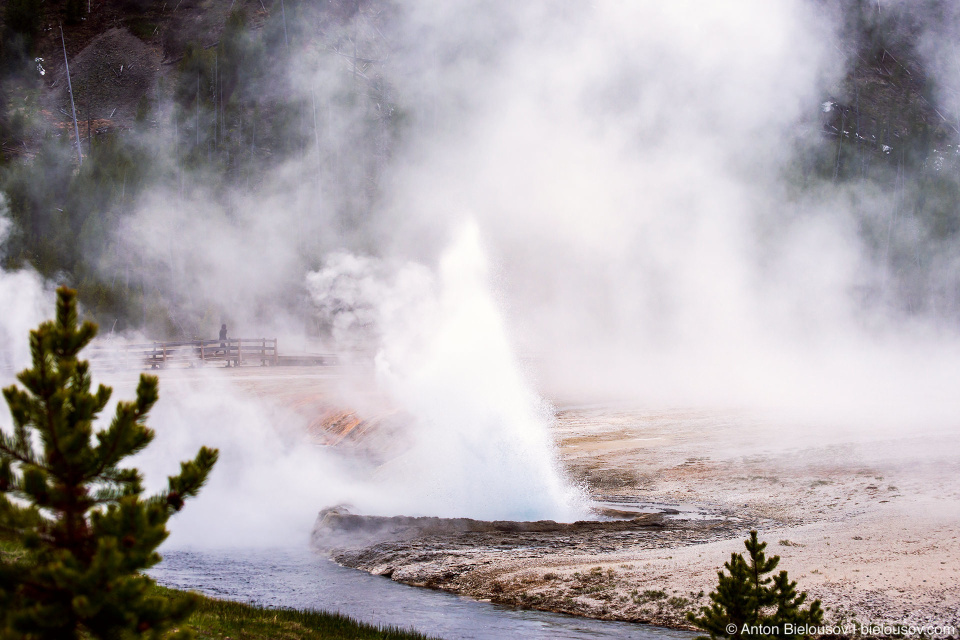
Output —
(223, 619)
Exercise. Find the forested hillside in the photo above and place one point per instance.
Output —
(200, 100)
(185, 96)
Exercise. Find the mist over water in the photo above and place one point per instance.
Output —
(636, 229)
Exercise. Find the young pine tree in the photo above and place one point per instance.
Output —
(85, 529)
(747, 596)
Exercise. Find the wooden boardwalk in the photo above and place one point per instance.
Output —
(231, 352)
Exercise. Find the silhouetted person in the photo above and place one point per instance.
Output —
(223, 344)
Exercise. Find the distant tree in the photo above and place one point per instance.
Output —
(747, 596)
(73, 11)
(235, 53)
(85, 529)
(23, 16)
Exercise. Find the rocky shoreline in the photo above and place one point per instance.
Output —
(523, 564)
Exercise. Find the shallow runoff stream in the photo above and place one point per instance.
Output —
(301, 579)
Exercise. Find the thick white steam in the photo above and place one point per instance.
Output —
(632, 169)
(634, 166)
(25, 301)
(479, 443)
(270, 480)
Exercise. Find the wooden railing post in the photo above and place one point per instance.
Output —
(158, 354)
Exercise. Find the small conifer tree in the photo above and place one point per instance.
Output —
(748, 597)
(85, 530)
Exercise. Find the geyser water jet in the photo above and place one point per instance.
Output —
(479, 442)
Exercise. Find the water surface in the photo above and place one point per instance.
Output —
(303, 580)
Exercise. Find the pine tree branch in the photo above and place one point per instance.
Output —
(132, 414)
(17, 454)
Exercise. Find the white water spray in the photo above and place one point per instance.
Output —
(480, 444)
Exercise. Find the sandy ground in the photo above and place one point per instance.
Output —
(865, 520)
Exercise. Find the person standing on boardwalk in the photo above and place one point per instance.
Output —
(223, 343)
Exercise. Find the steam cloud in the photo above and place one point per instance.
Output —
(481, 445)
(626, 170)
(24, 302)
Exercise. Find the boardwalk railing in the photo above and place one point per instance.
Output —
(157, 355)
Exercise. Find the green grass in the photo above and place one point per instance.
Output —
(224, 619)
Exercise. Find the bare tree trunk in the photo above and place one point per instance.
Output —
(216, 112)
(89, 126)
(76, 129)
(843, 123)
(176, 133)
(316, 135)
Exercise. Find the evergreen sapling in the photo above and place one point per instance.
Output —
(85, 528)
(748, 599)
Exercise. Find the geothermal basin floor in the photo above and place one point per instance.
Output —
(865, 519)
(868, 522)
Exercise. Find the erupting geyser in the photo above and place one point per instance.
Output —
(479, 442)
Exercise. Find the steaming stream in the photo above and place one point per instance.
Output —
(300, 579)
